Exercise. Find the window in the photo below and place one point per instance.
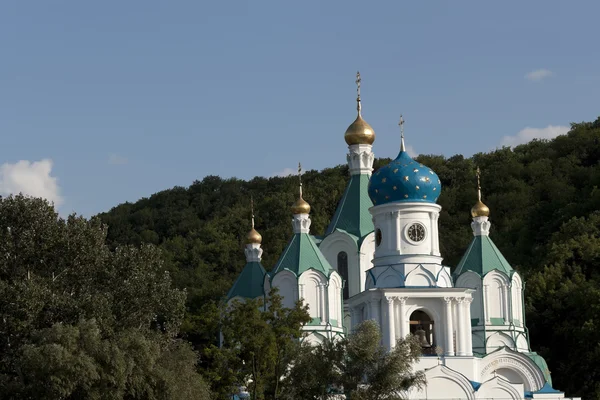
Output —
(342, 268)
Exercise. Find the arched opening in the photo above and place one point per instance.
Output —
(421, 326)
(342, 267)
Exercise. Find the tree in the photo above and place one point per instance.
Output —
(359, 364)
(78, 321)
(531, 189)
(260, 341)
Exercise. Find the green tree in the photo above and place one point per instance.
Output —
(359, 364)
(260, 341)
(78, 321)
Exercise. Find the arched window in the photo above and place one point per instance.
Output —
(342, 268)
(421, 325)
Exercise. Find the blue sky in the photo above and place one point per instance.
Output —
(110, 101)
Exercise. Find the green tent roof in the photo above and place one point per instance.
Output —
(352, 214)
(302, 254)
(249, 284)
(481, 257)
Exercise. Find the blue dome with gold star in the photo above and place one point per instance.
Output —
(406, 180)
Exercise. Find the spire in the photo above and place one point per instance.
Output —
(253, 237)
(401, 124)
(478, 173)
(252, 209)
(300, 206)
(300, 178)
(358, 106)
(479, 209)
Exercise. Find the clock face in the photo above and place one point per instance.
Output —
(416, 232)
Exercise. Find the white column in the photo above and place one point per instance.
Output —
(461, 334)
(505, 293)
(402, 318)
(374, 306)
(486, 310)
(398, 239)
(468, 331)
(324, 304)
(449, 331)
(352, 319)
(389, 333)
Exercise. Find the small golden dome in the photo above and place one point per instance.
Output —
(301, 207)
(253, 237)
(480, 210)
(359, 132)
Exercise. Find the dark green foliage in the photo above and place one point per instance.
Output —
(359, 364)
(259, 345)
(532, 190)
(78, 321)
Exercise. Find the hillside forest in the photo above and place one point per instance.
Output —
(544, 198)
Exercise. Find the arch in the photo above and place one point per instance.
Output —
(522, 342)
(312, 284)
(517, 299)
(422, 325)
(499, 340)
(500, 388)
(287, 284)
(390, 278)
(366, 256)
(420, 277)
(342, 269)
(267, 285)
(473, 281)
(444, 383)
(334, 244)
(496, 302)
(444, 279)
(505, 358)
(370, 284)
(314, 338)
(335, 300)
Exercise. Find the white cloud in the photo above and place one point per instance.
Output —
(286, 172)
(115, 159)
(539, 74)
(30, 178)
(411, 151)
(528, 134)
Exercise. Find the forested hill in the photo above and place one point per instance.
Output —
(544, 199)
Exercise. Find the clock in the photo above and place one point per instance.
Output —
(416, 232)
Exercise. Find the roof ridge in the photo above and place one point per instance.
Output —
(498, 253)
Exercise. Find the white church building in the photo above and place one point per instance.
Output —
(380, 259)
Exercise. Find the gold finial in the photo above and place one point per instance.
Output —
(253, 236)
(300, 206)
(358, 106)
(479, 209)
(401, 124)
(359, 132)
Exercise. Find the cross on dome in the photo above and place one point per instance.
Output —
(401, 124)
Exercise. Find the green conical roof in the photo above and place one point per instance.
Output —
(249, 284)
(352, 214)
(300, 255)
(481, 257)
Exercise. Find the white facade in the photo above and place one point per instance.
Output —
(473, 333)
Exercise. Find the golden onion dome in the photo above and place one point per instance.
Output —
(301, 207)
(359, 132)
(480, 210)
(253, 237)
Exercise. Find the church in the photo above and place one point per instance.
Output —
(380, 259)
